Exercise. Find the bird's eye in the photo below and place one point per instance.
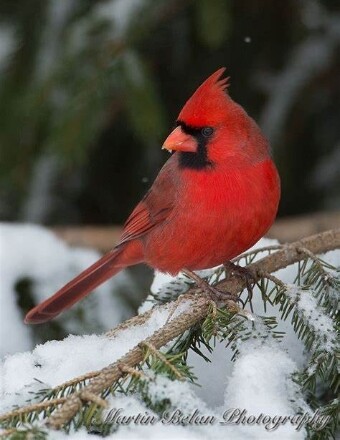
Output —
(207, 131)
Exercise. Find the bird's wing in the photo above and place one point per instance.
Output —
(153, 209)
(142, 220)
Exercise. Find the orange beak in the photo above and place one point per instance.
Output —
(180, 141)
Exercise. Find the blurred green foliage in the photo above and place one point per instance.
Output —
(213, 22)
(91, 88)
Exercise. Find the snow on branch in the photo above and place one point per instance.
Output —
(145, 334)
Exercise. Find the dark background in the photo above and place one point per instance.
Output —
(90, 89)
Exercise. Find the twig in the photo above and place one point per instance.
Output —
(34, 407)
(87, 396)
(75, 381)
(133, 372)
(272, 278)
(162, 358)
(313, 258)
(273, 247)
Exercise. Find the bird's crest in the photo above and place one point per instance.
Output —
(209, 102)
(215, 81)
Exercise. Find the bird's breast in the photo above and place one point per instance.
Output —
(216, 216)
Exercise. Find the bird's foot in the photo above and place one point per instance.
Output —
(215, 294)
(241, 272)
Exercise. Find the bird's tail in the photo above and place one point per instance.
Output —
(107, 266)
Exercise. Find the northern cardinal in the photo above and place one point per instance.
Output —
(214, 198)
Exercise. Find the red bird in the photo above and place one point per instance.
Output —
(214, 198)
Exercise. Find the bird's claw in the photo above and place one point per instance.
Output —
(215, 294)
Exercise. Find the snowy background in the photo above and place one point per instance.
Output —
(259, 380)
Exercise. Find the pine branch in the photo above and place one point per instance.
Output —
(111, 373)
(35, 407)
(200, 306)
(316, 244)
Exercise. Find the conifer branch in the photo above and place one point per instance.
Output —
(40, 406)
(316, 244)
(111, 373)
(200, 306)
